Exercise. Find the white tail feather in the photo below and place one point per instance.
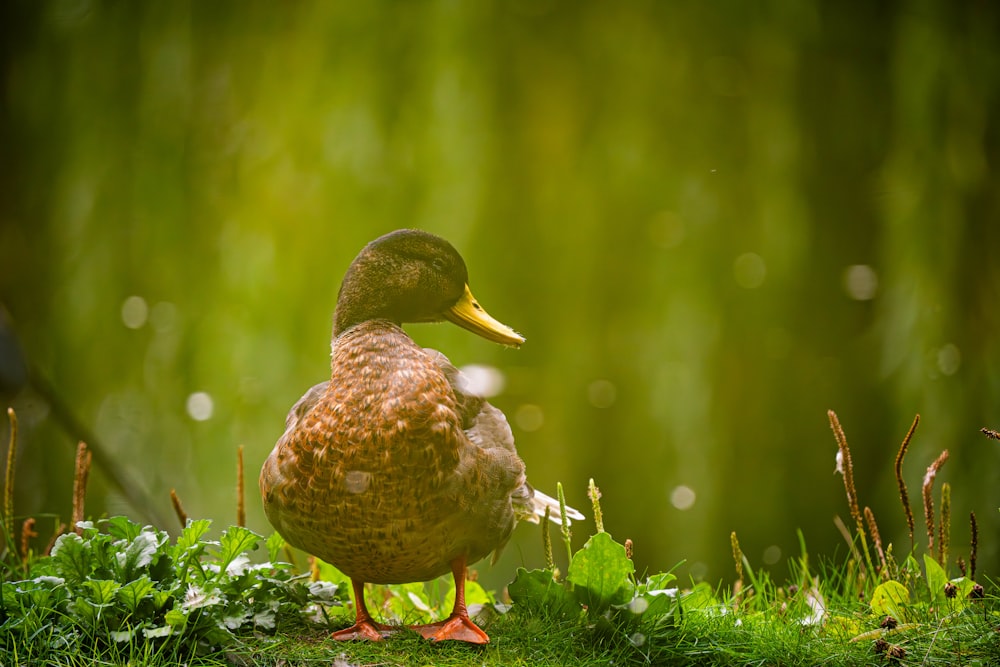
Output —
(542, 501)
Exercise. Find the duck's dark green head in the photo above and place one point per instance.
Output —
(413, 276)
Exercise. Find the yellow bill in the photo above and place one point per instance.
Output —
(468, 314)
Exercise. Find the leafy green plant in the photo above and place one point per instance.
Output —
(119, 583)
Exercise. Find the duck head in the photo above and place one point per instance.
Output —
(413, 276)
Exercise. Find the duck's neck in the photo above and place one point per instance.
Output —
(359, 302)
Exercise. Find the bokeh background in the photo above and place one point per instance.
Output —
(712, 222)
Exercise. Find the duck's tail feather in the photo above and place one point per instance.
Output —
(541, 502)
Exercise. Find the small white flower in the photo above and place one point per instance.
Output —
(840, 463)
(196, 598)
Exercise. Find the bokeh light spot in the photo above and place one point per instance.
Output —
(860, 282)
(638, 605)
(771, 555)
(134, 312)
(949, 359)
(682, 497)
(163, 316)
(601, 393)
(666, 229)
(481, 380)
(200, 406)
(529, 417)
(749, 270)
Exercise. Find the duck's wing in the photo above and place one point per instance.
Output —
(487, 427)
(304, 405)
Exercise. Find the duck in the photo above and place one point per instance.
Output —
(394, 470)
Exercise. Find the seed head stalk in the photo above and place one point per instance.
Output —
(8, 490)
(847, 469)
(903, 495)
(567, 534)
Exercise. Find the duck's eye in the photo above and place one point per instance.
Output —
(438, 264)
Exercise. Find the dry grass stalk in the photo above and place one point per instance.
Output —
(928, 488)
(241, 508)
(990, 433)
(629, 547)
(847, 469)
(876, 537)
(944, 527)
(973, 546)
(27, 532)
(903, 495)
(8, 493)
(83, 459)
(178, 508)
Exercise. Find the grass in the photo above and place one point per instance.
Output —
(113, 592)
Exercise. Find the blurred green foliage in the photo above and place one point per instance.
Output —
(712, 222)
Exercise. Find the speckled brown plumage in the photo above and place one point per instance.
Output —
(391, 471)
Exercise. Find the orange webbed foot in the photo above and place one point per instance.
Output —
(455, 628)
(364, 631)
(364, 628)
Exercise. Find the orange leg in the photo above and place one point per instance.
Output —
(458, 626)
(364, 626)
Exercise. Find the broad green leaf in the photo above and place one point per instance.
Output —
(72, 558)
(965, 586)
(138, 554)
(936, 579)
(102, 591)
(133, 592)
(538, 590)
(192, 532)
(161, 597)
(120, 528)
(701, 598)
(235, 541)
(601, 573)
(175, 618)
(658, 582)
(657, 596)
(83, 611)
(890, 599)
